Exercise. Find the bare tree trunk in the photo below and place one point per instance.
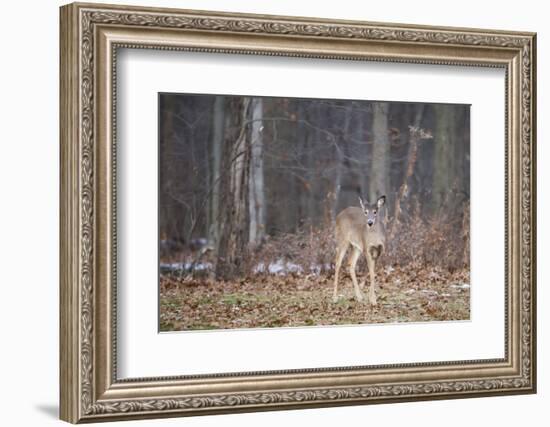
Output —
(415, 135)
(313, 179)
(363, 154)
(380, 152)
(218, 124)
(443, 161)
(173, 214)
(256, 204)
(233, 240)
(337, 183)
(461, 153)
(342, 165)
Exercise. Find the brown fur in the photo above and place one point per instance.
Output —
(353, 230)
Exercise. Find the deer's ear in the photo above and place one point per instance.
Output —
(362, 204)
(381, 201)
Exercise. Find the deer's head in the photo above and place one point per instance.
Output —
(371, 209)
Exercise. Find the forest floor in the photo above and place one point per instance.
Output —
(410, 293)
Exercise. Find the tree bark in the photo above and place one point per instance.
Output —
(380, 152)
(363, 155)
(218, 133)
(256, 203)
(443, 157)
(415, 135)
(173, 214)
(234, 230)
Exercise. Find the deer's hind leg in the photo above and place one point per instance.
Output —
(340, 253)
(352, 264)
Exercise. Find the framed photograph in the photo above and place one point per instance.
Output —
(266, 212)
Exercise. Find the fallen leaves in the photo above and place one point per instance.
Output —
(411, 293)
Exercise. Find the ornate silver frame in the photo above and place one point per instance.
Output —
(90, 36)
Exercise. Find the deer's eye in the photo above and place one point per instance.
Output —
(374, 212)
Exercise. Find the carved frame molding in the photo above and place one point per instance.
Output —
(90, 36)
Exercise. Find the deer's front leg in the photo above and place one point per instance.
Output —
(352, 263)
(372, 291)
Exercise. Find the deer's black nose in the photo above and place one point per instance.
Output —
(370, 222)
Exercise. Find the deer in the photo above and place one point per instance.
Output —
(362, 228)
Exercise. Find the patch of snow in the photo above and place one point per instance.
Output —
(278, 267)
(200, 241)
(461, 286)
(260, 268)
(187, 266)
(317, 268)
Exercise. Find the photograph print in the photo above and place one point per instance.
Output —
(290, 212)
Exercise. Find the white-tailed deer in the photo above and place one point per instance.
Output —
(363, 230)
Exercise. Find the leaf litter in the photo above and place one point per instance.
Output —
(410, 293)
